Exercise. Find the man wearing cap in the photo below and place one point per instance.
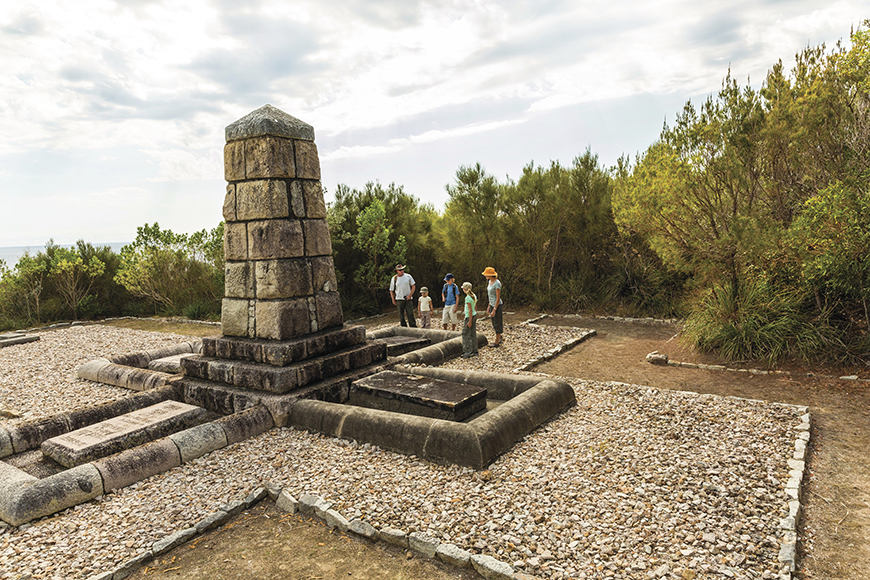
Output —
(402, 288)
(449, 293)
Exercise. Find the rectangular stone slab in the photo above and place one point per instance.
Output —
(121, 432)
(10, 339)
(418, 395)
(399, 345)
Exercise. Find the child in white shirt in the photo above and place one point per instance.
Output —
(424, 308)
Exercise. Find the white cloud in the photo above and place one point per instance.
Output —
(375, 79)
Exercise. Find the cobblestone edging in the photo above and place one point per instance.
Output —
(789, 524)
(660, 359)
(555, 351)
(174, 319)
(315, 506)
(628, 319)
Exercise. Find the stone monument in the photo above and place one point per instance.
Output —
(281, 319)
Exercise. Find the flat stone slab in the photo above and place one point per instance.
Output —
(168, 364)
(11, 338)
(121, 433)
(418, 395)
(399, 345)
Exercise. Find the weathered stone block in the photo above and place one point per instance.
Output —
(490, 568)
(307, 161)
(230, 203)
(269, 157)
(30, 435)
(235, 241)
(212, 521)
(220, 371)
(197, 441)
(329, 310)
(234, 161)
(247, 424)
(283, 279)
(287, 502)
(262, 199)
(284, 353)
(239, 280)
(317, 239)
(49, 495)
(265, 377)
(323, 272)
(272, 239)
(315, 206)
(333, 364)
(450, 554)
(234, 317)
(297, 198)
(423, 544)
(282, 319)
(122, 469)
(394, 536)
(309, 372)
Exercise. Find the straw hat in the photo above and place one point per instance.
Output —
(400, 267)
(490, 271)
(466, 285)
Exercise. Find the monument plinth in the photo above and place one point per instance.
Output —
(281, 320)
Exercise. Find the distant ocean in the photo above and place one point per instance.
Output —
(11, 254)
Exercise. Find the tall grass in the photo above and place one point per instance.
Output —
(756, 321)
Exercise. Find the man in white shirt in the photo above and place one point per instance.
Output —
(402, 288)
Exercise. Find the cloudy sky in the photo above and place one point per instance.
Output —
(112, 112)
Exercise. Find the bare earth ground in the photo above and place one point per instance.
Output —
(835, 529)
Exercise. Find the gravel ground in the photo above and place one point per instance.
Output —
(630, 483)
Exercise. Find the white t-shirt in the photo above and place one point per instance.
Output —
(425, 303)
(401, 285)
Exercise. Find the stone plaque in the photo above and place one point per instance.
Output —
(120, 433)
(417, 395)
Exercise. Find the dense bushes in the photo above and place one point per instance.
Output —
(160, 272)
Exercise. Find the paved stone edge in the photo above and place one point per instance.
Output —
(793, 496)
(316, 507)
(555, 351)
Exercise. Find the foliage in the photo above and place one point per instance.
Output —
(74, 276)
(373, 240)
(173, 270)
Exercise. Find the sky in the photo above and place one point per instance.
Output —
(112, 112)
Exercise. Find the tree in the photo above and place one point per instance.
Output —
(74, 277)
(373, 240)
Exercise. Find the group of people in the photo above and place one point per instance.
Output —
(403, 286)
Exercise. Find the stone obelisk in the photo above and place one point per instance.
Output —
(280, 278)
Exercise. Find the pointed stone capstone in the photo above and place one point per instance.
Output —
(269, 120)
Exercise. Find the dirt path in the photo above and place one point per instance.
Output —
(268, 543)
(835, 530)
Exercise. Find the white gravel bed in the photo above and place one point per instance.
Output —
(632, 482)
(38, 379)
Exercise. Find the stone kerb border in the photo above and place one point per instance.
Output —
(131, 371)
(23, 497)
(789, 524)
(529, 401)
(555, 351)
(445, 344)
(316, 507)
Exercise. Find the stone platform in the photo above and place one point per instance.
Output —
(418, 395)
(12, 338)
(121, 432)
(398, 345)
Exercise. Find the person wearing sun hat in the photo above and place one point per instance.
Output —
(495, 308)
(402, 288)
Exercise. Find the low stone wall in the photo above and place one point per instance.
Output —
(24, 497)
(445, 344)
(529, 401)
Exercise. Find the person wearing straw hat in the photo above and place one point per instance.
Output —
(402, 288)
(495, 308)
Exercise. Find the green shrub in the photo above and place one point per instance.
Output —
(757, 321)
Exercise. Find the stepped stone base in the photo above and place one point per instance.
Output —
(228, 399)
(282, 379)
(285, 352)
